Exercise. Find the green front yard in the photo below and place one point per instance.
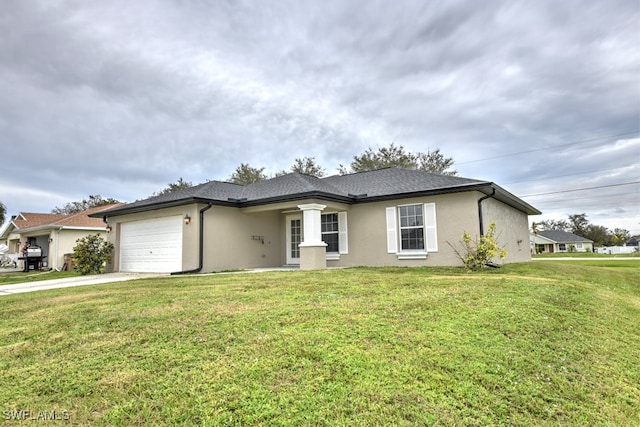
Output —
(542, 343)
(33, 276)
(586, 255)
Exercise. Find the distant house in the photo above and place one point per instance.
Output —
(553, 241)
(633, 241)
(56, 234)
(392, 217)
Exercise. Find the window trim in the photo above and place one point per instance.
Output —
(343, 239)
(430, 233)
(337, 232)
(424, 231)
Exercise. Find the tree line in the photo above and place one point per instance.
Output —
(579, 225)
(393, 156)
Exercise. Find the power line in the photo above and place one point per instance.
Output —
(582, 189)
(571, 174)
(561, 198)
(620, 198)
(546, 148)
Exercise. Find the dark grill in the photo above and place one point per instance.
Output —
(33, 258)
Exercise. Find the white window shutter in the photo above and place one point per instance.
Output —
(343, 241)
(430, 227)
(392, 234)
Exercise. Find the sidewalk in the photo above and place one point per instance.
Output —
(69, 282)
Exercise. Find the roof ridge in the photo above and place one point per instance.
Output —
(303, 179)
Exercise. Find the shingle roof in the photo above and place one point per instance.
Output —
(392, 181)
(559, 236)
(33, 219)
(30, 220)
(353, 188)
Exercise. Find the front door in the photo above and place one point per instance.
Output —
(294, 238)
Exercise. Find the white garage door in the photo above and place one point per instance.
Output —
(153, 245)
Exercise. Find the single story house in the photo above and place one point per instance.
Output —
(553, 241)
(387, 217)
(633, 241)
(56, 234)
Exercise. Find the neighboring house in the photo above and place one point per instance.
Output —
(553, 241)
(56, 234)
(388, 217)
(633, 241)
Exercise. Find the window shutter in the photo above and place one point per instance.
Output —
(392, 235)
(343, 241)
(430, 227)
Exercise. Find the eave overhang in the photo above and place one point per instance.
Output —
(483, 187)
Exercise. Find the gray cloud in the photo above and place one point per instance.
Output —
(120, 98)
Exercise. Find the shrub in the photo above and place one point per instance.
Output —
(572, 249)
(91, 253)
(478, 253)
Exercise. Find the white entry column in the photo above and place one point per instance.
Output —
(313, 251)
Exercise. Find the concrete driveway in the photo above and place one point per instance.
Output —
(69, 282)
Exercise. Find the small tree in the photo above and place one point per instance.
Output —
(620, 236)
(306, 166)
(245, 175)
(478, 253)
(174, 186)
(75, 207)
(91, 253)
(395, 156)
(3, 212)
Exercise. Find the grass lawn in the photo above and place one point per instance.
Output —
(544, 343)
(586, 255)
(33, 276)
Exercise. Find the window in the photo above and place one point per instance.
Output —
(333, 230)
(330, 232)
(578, 245)
(411, 230)
(562, 247)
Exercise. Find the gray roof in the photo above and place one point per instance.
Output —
(394, 181)
(382, 184)
(559, 236)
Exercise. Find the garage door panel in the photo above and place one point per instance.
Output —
(153, 245)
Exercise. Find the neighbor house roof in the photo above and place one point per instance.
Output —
(633, 241)
(382, 184)
(563, 236)
(31, 221)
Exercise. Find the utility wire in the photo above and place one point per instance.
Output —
(571, 174)
(546, 148)
(582, 189)
(596, 198)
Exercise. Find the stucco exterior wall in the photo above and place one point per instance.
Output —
(368, 233)
(251, 238)
(66, 241)
(229, 239)
(512, 230)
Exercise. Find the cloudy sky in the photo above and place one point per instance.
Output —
(120, 98)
